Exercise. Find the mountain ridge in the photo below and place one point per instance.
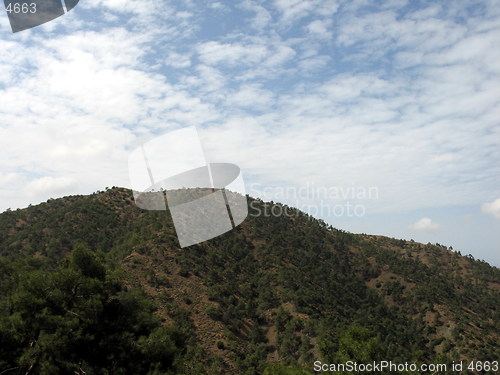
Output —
(285, 290)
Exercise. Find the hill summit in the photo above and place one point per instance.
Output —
(272, 296)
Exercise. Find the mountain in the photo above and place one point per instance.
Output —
(272, 296)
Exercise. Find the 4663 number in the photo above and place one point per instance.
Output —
(21, 8)
(483, 366)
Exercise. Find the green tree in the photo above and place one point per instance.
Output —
(357, 344)
(79, 319)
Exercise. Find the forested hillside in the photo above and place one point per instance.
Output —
(94, 285)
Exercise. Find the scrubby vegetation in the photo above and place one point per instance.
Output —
(94, 284)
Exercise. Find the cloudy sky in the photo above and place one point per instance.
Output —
(389, 107)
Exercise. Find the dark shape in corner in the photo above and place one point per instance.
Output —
(70, 4)
(26, 14)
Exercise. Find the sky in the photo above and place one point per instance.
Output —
(379, 117)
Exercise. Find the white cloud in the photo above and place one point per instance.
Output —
(262, 16)
(213, 53)
(50, 185)
(294, 10)
(252, 97)
(178, 60)
(217, 5)
(320, 28)
(72, 104)
(252, 59)
(138, 7)
(426, 225)
(492, 208)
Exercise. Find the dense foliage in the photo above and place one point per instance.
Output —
(79, 319)
(270, 297)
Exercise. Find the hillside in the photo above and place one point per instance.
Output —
(285, 290)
